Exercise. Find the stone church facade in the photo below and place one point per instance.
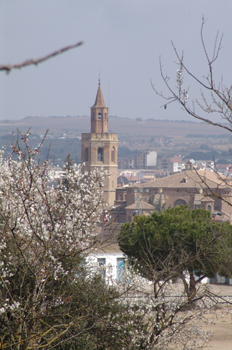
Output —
(196, 188)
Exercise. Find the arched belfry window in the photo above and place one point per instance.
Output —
(86, 154)
(100, 155)
(113, 154)
(99, 116)
(105, 115)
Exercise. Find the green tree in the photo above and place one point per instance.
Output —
(176, 242)
(79, 311)
(160, 204)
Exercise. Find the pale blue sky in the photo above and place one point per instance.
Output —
(123, 39)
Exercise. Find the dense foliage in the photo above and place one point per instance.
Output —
(50, 298)
(45, 232)
(177, 242)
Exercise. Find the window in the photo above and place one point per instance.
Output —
(102, 266)
(86, 154)
(100, 155)
(209, 207)
(135, 190)
(121, 197)
(147, 198)
(120, 270)
(99, 116)
(113, 155)
(147, 190)
(105, 115)
(141, 190)
(179, 202)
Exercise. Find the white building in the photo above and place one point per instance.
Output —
(174, 167)
(110, 261)
(152, 158)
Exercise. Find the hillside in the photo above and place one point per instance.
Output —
(167, 137)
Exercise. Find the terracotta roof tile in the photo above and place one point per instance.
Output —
(190, 179)
(143, 205)
(105, 247)
(207, 199)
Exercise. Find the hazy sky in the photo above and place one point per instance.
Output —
(123, 40)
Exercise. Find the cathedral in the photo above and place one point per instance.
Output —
(99, 148)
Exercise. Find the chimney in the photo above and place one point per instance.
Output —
(188, 166)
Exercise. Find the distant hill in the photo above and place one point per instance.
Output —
(165, 136)
(76, 125)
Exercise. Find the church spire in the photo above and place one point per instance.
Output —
(99, 101)
(99, 113)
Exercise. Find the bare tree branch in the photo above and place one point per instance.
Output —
(221, 96)
(35, 62)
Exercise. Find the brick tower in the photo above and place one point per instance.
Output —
(100, 148)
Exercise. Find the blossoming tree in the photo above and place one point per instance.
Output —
(44, 234)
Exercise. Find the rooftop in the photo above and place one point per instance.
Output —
(191, 179)
(142, 205)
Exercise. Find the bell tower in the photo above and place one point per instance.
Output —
(99, 113)
(100, 148)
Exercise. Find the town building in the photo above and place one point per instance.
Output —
(175, 164)
(128, 180)
(202, 188)
(109, 261)
(225, 169)
(99, 148)
(143, 160)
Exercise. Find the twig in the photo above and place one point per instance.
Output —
(35, 62)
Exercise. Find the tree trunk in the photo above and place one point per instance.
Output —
(192, 286)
